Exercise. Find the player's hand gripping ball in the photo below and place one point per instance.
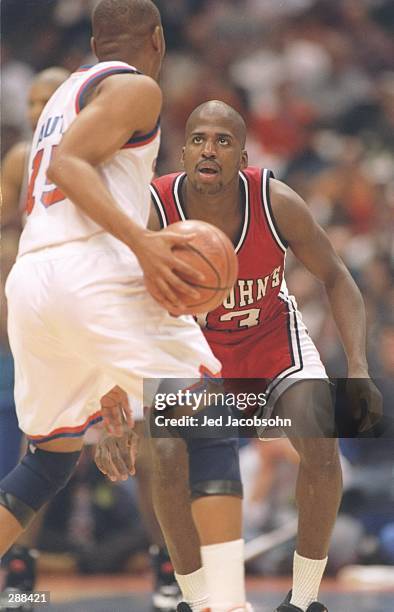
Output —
(212, 253)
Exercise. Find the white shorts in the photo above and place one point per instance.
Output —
(81, 321)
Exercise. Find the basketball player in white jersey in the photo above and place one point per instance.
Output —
(82, 319)
(14, 177)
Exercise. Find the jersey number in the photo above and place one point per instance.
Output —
(50, 193)
(251, 315)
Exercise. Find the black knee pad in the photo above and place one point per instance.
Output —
(34, 481)
(214, 467)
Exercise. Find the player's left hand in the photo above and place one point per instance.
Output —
(115, 457)
(116, 411)
(365, 401)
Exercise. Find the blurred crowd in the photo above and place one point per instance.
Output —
(314, 80)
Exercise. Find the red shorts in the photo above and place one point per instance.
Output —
(280, 356)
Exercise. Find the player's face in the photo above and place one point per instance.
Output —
(39, 95)
(213, 155)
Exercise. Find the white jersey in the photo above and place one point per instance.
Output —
(53, 219)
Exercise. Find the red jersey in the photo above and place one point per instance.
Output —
(253, 332)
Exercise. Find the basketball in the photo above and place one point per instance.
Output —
(212, 253)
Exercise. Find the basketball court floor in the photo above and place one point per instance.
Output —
(124, 594)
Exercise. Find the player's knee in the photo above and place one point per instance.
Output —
(169, 460)
(309, 406)
(214, 467)
(34, 481)
(319, 454)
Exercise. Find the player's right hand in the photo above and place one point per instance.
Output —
(116, 412)
(162, 268)
(115, 456)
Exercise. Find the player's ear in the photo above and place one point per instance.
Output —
(183, 157)
(93, 46)
(159, 44)
(244, 159)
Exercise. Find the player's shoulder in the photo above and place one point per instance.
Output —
(130, 84)
(166, 181)
(16, 157)
(252, 172)
(291, 214)
(19, 150)
(283, 196)
(116, 81)
(258, 175)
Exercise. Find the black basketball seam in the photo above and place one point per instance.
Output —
(198, 304)
(218, 233)
(200, 254)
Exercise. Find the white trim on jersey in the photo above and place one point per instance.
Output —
(247, 207)
(159, 206)
(294, 333)
(246, 217)
(266, 176)
(176, 196)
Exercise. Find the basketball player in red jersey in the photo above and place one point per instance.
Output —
(258, 331)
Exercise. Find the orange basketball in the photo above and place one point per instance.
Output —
(212, 253)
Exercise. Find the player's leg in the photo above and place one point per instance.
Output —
(143, 476)
(42, 472)
(208, 471)
(55, 393)
(130, 336)
(319, 484)
(171, 500)
(166, 594)
(216, 492)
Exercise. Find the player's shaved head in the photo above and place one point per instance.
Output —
(55, 76)
(217, 110)
(41, 89)
(115, 22)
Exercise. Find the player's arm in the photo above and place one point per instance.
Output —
(312, 247)
(12, 176)
(154, 220)
(122, 105)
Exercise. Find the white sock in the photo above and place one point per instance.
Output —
(194, 589)
(225, 574)
(307, 575)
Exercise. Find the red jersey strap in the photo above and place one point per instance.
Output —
(266, 199)
(164, 200)
(166, 193)
(177, 208)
